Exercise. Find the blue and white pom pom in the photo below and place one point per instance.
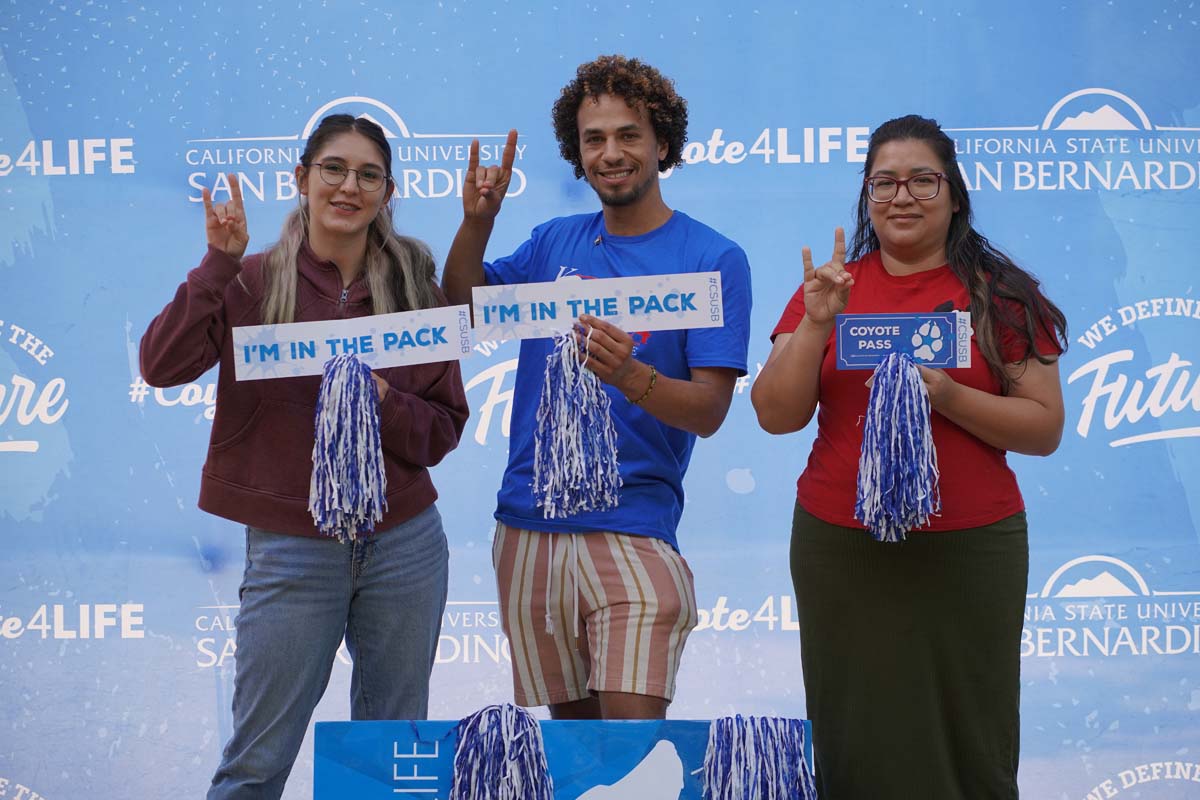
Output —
(500, 756)
(347, 495)
(575, 465)
(757, 758)
(897, 467)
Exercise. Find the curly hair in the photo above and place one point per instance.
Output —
(639, 85)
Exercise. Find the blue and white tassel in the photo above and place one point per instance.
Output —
(575, 446)
(897, 467)
(500, 756)
(347, 494)
(757, 758)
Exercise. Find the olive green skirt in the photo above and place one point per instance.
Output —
(911, 657)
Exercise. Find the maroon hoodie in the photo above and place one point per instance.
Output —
(260, 454)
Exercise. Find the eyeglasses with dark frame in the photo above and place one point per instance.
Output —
(924, 186)
(335, 174)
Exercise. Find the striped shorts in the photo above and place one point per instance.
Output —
(592, 612)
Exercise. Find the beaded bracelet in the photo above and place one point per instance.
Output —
(650, 388)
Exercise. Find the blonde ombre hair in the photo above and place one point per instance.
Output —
(399, 270)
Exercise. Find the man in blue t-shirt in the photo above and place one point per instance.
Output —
(598, 606)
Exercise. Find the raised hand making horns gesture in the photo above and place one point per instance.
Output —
(484, 187)
(225, 223)
(827, 288)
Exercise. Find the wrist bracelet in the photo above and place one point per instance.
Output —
(650, 388)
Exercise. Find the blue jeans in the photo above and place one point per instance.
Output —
(385, 595)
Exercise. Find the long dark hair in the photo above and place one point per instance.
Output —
(399, 269)
(988, 273)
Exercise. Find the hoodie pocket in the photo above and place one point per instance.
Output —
(272, 453)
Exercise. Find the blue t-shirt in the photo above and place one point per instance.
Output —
(653, 456)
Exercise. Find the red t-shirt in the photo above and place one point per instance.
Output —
(977, 486)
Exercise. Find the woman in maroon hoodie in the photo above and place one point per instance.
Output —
(338, 256)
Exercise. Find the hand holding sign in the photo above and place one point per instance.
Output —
(609, 350)
(381, 386)
(484, 187)
(225, 223)
(827, 288)
(938, 384)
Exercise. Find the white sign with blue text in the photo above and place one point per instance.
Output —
(941, 339)
(643, 303)
(385, 340)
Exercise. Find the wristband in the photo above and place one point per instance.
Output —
(650, 388)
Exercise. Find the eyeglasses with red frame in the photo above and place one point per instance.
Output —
(923, 186)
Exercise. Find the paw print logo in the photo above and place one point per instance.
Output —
(927, 341)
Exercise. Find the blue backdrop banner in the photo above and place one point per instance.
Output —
(1078, 132)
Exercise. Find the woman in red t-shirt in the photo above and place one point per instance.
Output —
(911, 650)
